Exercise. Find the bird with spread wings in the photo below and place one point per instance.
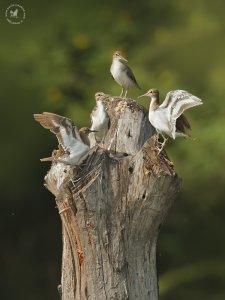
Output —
(72, 149)
(168, 118)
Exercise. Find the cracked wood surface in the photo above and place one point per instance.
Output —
(111, 208)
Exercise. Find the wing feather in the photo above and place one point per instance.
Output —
(176, 102)
(64, 129)
(182, 123)
(130, 73)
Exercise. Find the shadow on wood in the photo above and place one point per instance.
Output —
(111, 208)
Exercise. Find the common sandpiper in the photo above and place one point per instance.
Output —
(122, 73)
(168, 118)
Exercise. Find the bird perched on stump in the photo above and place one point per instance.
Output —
(122, 73)
(73, 144)
(168, 118)
(99, 118)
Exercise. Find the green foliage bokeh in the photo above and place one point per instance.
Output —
(55, 61)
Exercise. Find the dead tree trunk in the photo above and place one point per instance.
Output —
(111, 209)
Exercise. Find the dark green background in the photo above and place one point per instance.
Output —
(55, 61)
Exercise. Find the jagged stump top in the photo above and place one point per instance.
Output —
(130, 137)
(129, 125)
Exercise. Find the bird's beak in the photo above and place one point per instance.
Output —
(124, 59)
(144, 95)
(93, 131)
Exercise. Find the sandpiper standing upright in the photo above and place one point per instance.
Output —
(168, 118)
(122, 73)
(100, 118)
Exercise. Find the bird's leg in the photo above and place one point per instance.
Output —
(125, 95)
(163, 143)
(157, 136)
(121, 92)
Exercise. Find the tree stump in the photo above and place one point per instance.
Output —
(111, 209)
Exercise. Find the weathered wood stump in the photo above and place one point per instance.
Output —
(111, 208)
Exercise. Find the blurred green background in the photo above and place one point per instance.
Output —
(55, 61)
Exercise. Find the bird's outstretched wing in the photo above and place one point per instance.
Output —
(178, 101)
(64, 129)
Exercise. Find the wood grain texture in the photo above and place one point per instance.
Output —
(111, 209)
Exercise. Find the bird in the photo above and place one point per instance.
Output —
(168, 118)
(122, 73)
(14, 14)
(72, 143)
(99, 117)
(84, 134)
